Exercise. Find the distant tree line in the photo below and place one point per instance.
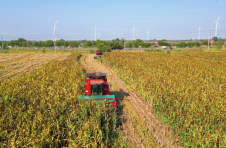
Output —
(138, 43)
(110, 44)
(101, 44)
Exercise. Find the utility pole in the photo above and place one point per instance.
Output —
(54, 35)
(134, 32)
(125, 45)
(147, 34)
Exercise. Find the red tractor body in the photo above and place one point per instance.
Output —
(97, 88)
(98, 54)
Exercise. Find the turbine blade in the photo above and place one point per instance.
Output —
(56, 22)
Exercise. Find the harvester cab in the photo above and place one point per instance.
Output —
(97, 89)
(98, 54)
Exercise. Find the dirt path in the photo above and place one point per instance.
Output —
(141, 126)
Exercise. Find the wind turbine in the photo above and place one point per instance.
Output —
(2, 39)
(147, 34)
(217, 22)
(54, 35)
(199, 31)
(134, 32)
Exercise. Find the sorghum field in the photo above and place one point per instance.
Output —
(13, 64)
(41, 109)
(186, 89)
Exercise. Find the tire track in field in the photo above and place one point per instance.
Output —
(128, 127)
(10, 58)
(162, 132)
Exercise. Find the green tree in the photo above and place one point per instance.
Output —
(94, 43)
(135, 43)
(66, 44)
(191, 44)
(129, 45)
(147, 45)
(89, 44)
(60, 43)
(122, 41)
(14, 43)
(116, 45)
(221, 40)
(24, 44)
(103, 47)
(49, 43)
(42, 44)
(28, 43)
(109, 43)
(21, 40)
(164, 43)
(219, 45)
(197, 44)
(35, 44)
(181, 45)
(215, 39)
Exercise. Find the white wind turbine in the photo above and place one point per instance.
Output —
(2, 39)
(54, 35)
(147, 34)
(217, 22)
(199, 31)
(134, 32)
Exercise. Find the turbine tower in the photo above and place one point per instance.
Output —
(2, 39)
(217, 23)
(199, 31)
(147, 34)
(134, 32)
(54, 35)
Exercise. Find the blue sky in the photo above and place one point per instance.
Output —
(165, 19)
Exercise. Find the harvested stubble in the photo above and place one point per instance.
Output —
(16, 64)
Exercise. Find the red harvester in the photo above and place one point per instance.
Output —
(97, 89)
(98, 54)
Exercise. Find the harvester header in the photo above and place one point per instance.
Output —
(97, 88)
(96, 75)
